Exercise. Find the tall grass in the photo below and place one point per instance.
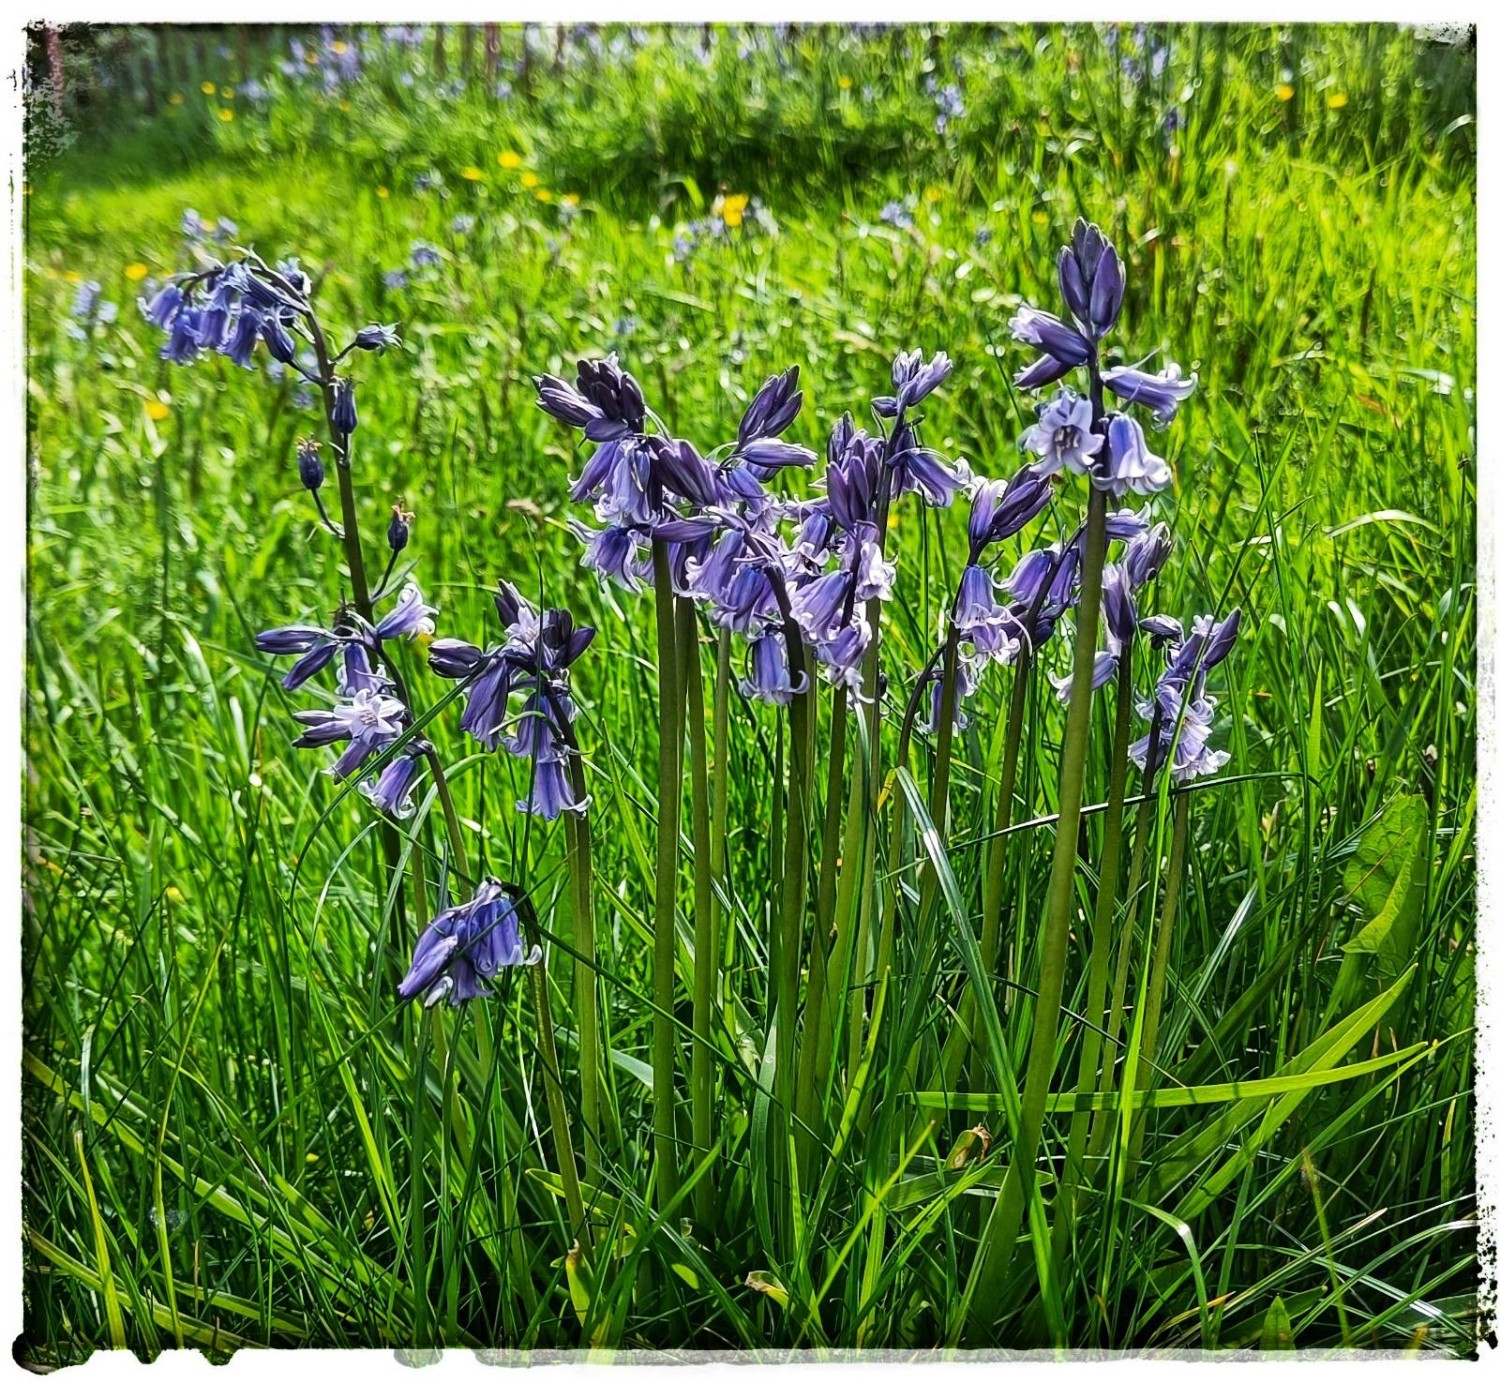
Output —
(234, 1135)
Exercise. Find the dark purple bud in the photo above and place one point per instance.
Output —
(345, 417)
(1162, 629)
(453, 658)
(773, 408)
(510, 604)
(290, 638)
(612, 391)
(560, 399)
(1147, 554)
(1023, 498)
(1119, 604)
(1075, 291)
(1042, 371)
(774, 454)
(1221, 639)
(915, 379)
(310, 463)
(681, 470)
(1107, 292)
(1048, 333)
(398, 533)
(309, 665)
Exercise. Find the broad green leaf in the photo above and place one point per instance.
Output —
(1276, 1332)
(1385, 878)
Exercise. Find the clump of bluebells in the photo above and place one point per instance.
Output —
(781, 555)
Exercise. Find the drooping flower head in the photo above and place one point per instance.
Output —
(465, 947)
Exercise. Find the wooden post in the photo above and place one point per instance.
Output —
(491, 49)
(55, 68)
(439, 54)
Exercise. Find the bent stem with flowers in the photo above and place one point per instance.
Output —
(796, 1091)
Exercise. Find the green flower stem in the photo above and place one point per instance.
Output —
(812, 1071)
(668, 806)
(353, 551)
(1099, 952)
(1114, 1022)
(450, 818)
(999, 1242)
(701, 1087)
(585, 970)
(803, 715)
(1161, 954)
(562, 1133)
(989, 935)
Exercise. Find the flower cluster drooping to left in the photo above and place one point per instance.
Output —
(235, 309)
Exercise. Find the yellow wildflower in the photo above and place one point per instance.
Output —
(509, 158)
(1285, 92)
(136, 272)
(227, 92)
(156, 410)
(530, 179)
(543, 195)
(472, 174)
(176, 98)
(733, 210)
(1337, 101)
(226, 115)
(208, 88)
(845, 83)
(382, 192)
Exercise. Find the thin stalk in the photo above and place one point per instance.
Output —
(450, 817)
(989, 934)
(562, 1133)
(664, 957)
(999, 1242)
(701, 1088)
(585, 970)
(1161, 953)
(1104, 1119)
(1099, 952)
(811, 1071)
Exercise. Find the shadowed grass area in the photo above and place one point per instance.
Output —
(235, 1135)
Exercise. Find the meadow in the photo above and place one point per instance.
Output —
(237, 1134)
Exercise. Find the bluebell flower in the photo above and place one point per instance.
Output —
(1118, 600)
(1181, 736)
(917, 469)
(279, 341)
(163, 306)
(1164, 630)
(462, 225)
(1063, 436)
(396, 278)
(1055, 338)
(1147, 553)
(1000, 509)
(182, 342)
(614, 552)
(1105, 665)
(315, 646)
(424, 254)
(1161, 393)
(1031, 577)
(243, 336)
(1127, 462)
(408, 617)
(915, 378)
(899, 214)
(465, 946)
(369, 722)
(390, 791)
(376, 337)
(357, 673)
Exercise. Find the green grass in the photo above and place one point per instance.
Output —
(234, 1136)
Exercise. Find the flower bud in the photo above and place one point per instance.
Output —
(400, 528)
(310, 463)
(345, 418)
